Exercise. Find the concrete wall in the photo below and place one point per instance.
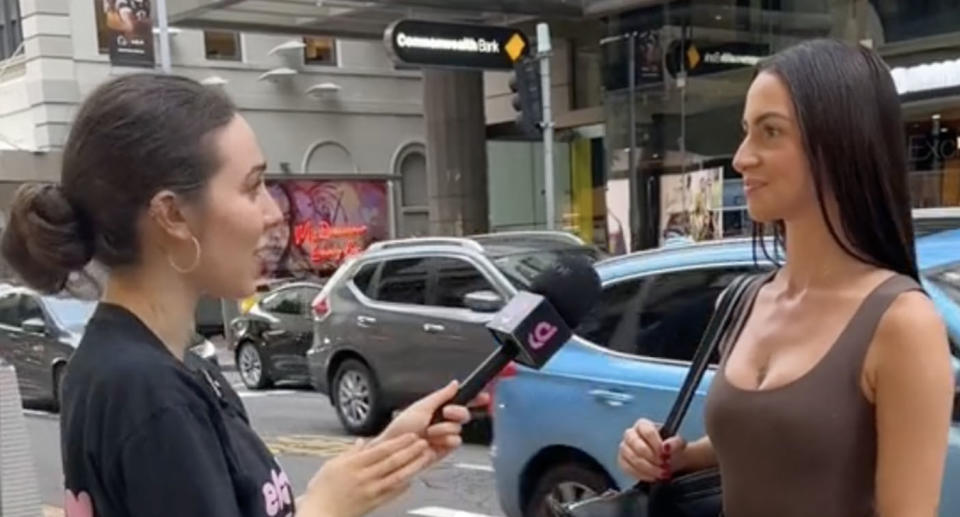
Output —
(376, 112)
(516, 185)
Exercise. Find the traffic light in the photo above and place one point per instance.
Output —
(527, 97)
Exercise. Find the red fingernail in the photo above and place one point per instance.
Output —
(666, 448)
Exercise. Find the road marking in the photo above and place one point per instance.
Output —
(439, 511)
(40, 414)
(271, 393)
(52, 511)
(474, 466)
(308, 445)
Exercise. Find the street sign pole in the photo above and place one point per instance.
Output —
(543, 54)
(164, 36)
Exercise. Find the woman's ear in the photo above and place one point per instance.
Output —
(169, 212)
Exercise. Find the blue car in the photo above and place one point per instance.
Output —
(557, 430)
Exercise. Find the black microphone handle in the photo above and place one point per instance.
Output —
(479, 378)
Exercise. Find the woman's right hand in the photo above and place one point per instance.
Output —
(365, 477)
(645, 456)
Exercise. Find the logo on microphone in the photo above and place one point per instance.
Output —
(542, 333)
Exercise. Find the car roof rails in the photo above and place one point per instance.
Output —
(427, 241)
(533, 234)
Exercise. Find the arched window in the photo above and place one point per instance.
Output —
(414, 204)
(329, 157)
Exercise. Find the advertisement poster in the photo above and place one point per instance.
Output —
(618, 216)
(691, 206)
(325, 222)
(129, 24)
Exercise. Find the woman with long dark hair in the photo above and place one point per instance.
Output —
(163, 183)
(834, 396)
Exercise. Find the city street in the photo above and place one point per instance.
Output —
(302, 429)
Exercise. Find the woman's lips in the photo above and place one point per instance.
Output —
(750, 187)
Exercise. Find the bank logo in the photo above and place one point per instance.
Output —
(515, 47)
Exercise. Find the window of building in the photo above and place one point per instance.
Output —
(414, 206)
(404, 281)
(222, 45)
(320, 50)
(457, 278)
(11, 32)
(660, 316)
(103, 33)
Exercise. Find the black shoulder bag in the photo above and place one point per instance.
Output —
(697, 494)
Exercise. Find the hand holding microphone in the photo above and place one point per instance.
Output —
(534, 324)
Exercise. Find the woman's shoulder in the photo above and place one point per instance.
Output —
(910, 321)
(123, 376)
(909, 329)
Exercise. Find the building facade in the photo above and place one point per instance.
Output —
(320, 105)
(677, 118)
(647, 97)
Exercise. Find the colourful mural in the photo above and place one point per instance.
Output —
(325, 222)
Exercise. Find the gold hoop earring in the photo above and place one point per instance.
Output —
(196, 261)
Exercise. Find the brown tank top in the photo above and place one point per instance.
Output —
(808, 447)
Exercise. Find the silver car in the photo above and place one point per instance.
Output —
(407, 316)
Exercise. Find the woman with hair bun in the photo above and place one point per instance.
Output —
(163, 184)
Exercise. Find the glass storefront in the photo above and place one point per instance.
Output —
(673, 126)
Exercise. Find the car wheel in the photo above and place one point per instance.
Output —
(356, 396)
(251, 367)
(566, 483)
(58, 371)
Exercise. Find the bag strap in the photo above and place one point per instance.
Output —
(729, 304)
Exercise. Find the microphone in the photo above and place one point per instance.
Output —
(534, 324)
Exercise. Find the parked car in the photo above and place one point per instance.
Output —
(407, 316)
(933, 220)
(557, 430)
(271, 339)
(39, 333)
(208, 317)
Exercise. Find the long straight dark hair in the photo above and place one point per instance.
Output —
(850, 120)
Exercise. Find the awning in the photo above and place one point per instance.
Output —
(368, 19)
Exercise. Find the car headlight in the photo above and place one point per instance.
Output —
(205, 349)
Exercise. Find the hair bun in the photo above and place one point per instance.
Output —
(45, 240)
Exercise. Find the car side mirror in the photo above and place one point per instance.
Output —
(483, 301)
(34, 326)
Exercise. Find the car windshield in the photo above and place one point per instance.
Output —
(520, 268)
(71, 313)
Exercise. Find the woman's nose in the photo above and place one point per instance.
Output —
(272, 213)
(745, 159)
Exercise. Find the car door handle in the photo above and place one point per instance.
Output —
(276, 333)
(433, 328)
(611, 398)
(366, 321)
(37, 348)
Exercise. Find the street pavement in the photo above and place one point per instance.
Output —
(301, 428)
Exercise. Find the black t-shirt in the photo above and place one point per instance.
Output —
(144, 434)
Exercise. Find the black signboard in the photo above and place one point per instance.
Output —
(130, 27)
(704, 59)
(447, 45)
